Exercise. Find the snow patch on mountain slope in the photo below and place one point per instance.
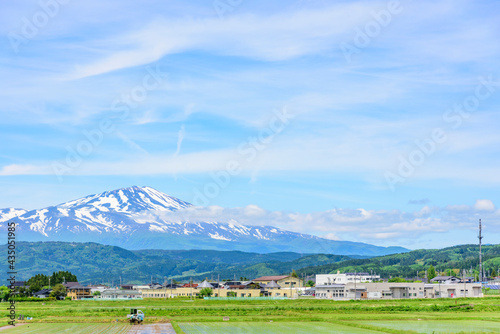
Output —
(9, 213)
(218, 237)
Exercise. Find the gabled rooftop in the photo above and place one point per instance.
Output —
(272, 285)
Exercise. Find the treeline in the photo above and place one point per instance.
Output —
(96, 263)
(451, 260)
(39, 282)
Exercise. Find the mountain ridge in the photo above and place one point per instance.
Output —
(93, 262)
(132, 218)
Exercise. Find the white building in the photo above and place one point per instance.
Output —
(345, 278)
(120, 294)
(396, 291)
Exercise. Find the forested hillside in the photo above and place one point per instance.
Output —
(97, 263)
(414, 263)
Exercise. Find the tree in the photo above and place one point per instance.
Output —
(294, 274)
(33, 289)
(231, 294)
(310, 283)
(493, 273)
(38, 280)
(205, 292)
(58, 291)
(421, 274)
(397, 280)
(23, 292)
(431, 272)
(61, 277)
(4, 293)
(97, 293)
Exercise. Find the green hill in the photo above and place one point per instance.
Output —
(97, 263)
(410, 264)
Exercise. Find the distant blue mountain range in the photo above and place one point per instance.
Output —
(129, 218)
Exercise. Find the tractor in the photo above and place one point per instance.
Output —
(135, 316)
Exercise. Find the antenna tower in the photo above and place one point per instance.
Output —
(480, 237)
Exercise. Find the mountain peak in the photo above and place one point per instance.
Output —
(127, 217)
(130, 200)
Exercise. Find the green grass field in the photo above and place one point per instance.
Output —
(271, 328)
(70, 328)
(269, 316)
(439, 326)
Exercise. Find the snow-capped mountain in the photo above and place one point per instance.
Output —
(132, 218)
(6, 214)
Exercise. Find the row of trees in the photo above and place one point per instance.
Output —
(40, 282)
(431, 273)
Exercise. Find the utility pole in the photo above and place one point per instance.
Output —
(465, 284)
(218, 285)
(355, 290)
(49, 282)
(171, 283)
(480, 237)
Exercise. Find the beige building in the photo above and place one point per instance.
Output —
(240, 289)
(76, 291)
(284, 281)
(193, 292)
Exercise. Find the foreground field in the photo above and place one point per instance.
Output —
(90, 328)
(439, 326)
(427, 327)
(271, 328)
(481, 315)
(69, 328)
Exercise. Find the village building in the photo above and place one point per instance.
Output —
(346, 278)
(285, 281)
(117, 294)
(76, 291)
(44, 293)
(446, 279)
(405, 290)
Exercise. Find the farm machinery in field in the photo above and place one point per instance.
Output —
(135, 316)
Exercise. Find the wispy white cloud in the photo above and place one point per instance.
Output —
(271, 37)
(180, 139)
(372, 226)
(353, 119)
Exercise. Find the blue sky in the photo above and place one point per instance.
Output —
(373, 121)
